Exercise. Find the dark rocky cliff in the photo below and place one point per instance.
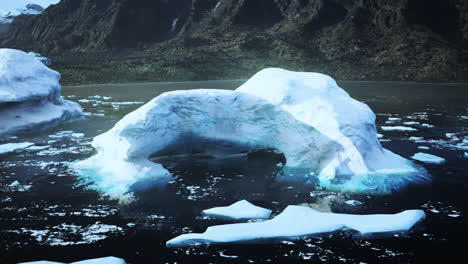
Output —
(139, 40)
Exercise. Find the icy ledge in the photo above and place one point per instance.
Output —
(323, 133)
(30, 94)
(242, 210)
(106, 260)
(298, 221)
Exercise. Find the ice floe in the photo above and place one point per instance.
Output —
(105, 260)
(30, 94)
(428, 158)
(296, 222)
(239, 211)
(322, 132)
(11, 147)
(398, 128)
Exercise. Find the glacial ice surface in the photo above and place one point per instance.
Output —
(10, 147)
(298, 221)
(239, 211)
(30, 93)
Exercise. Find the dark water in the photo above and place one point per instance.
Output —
(49, 216)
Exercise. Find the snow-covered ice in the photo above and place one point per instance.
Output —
(428, 158)
(239, 211)
(30, 94)
(320, 129)
(11, 147)
(298, 221)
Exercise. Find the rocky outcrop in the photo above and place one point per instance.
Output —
(209, 39)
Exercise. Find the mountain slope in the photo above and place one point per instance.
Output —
(139, 40)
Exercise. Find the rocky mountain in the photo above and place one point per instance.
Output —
(139, 40)
(6, 18)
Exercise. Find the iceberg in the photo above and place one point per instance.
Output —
(30, 94)
(242, 210)
(106, 260)
(398, 128)
(428, 158)
(299, 221)
(323, 133)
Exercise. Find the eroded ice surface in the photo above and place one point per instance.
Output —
(319, 128)
(30, 93)
(428, 158)
(239, 211)
(298, 221)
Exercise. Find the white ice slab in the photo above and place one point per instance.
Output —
(11, 147)
(428, 158)
(105, 260)
(298, 221)
(239, 211)
(398, 128)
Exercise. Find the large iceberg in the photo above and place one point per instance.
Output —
(299, 221)
(30, 93)
(323, 133)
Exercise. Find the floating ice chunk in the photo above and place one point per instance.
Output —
(423, 147)
(14, 184)
(428, 158)
(398, 128)
(30, 94)
(77, 135)
(106, 260)
(416, 138)
(42, 262)
(353, 202)
(37, 148)
(465, 155)
(239, 211)
(296, 222)
(411, 123)
(427, 125)
(11, 147)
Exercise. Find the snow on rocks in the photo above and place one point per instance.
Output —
(428, 158)
(241, 210)
(105, 260)
(319, 128)
(11, 147)
(30, 94)
(298, 221)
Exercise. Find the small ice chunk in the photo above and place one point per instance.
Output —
(299, 221)
(416, 138)
(411, 123)
(398, 128)
(42, 262)
(380, 136)
(11, 147)
(37, 148)
(394, 119)
(106, 260)
(428, 158)
(465, 155)
(427, 125)
(353, 202)
(77, 135)
(239, 211)
(423, 147)
(14, 184)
